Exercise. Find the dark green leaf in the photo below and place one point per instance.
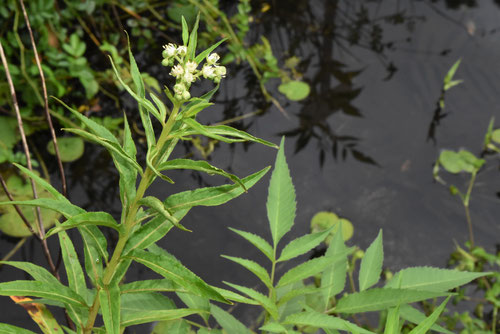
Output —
(371, 264)
(257, 241)
(110, 308)
(57, 292)
(302, 245)
(253, 267)
(227, 321)
(157, 205)
(88, 218)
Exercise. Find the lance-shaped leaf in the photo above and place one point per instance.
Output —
(231, 295)
(257, 241)
(310, 268)
(223, 133)
(145, 301)
(414, 316)
(143, 317)
(371, 264)
(65, 208)
(38, 273)
(157, 205)
(150, 232)
(185, 31)
(88, 218)
(196, 302)
(43, 183)
(153, 285)
(227, 321)
(302, 245)
(377, 299)
(169, 267)
(159, 104)
(427, 324)
(111, 146)
(295, 292)
(74, 271)
(204, 54)
(334, 277)
(253, 267)
(316, 319)
(93, 263)
(128, 176)
(193, 108)
(281, 203)
(10, 329)
(392, 323)
(110, 308)
(150, 155)
(201, 166)
(193, 38)
(211, 196)
(94, 237)
(431, 279)
(57, 292)
(264, 301)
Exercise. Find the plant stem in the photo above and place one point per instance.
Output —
(130, 219)
(466, 207)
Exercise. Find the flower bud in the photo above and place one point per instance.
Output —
(165, 62)
(179, 89)
(181, 50)
(186, 95)
(220, 71)
(212, 58)
(208, 71)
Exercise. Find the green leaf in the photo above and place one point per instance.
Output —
(211, 196)
(153, 285)
(38, 273)
(257, 241)
(302, 245)
(204, 54)
(253, 267)
(264, 301)
(151, 232)
(333, 278)
(495, 136)
(157, 205)
(169, 267)
(128, 177)
(178, 326)
(109, 145)
(324, 220)
(10, 329)
(57, 292)
(280, 203)
(413, 315)
(199, 165)
(143, 317)
(110, 308)
(193, 38)
(295, 292)
(425, 325)
(66, 209)
(230, 295)
(274, 327)
(43, 183)
(227, 321)
(70, 148)
(160, 105)
(310, 268)
(74, 271)
(218, 131)
(145, 301)
(185, 31)
(88, 218)
(295, 90)
(193, 108)
(461, 161)
(371, 264)
(377, 299)
(392, 323)
(432, 279)
(196, 302)
(93, 261)
(94, 237)
(316, 319)
(448, 79)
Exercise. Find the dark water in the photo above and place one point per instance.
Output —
(362, 145)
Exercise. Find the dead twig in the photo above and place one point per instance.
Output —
(45, 99)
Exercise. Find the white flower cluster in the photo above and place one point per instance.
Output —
(186, 71)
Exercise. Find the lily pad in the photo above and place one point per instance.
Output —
(10, 222)
(70, 148)
(324, 220)
(295, 90)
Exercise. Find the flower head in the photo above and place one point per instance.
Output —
(177, 71)
(181, 50)
(188, 77)
(169, 50)
(191, 66)
(208, 71)
(212, 58)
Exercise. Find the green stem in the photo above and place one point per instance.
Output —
(466, 207)
(130, 221)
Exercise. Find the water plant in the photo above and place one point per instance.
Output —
(291, 304)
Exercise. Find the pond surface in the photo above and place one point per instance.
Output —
(363, 144)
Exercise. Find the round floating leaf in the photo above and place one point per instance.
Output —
(495, 136)
(324, 220)
(295, 90)
(462, 161)
(10, 222)
(70, 148)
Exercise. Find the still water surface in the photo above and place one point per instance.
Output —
(362, 145)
